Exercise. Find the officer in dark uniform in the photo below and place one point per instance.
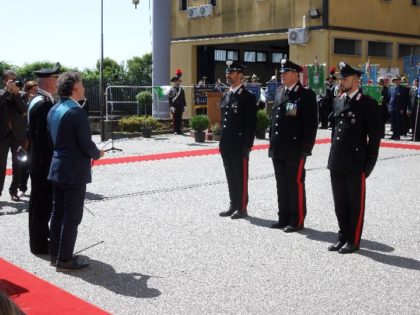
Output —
(177, 103)
(40, 155)
(398, 102)
(383, 107)
(239, 118)
(327, 99)
(294, 123)
(356, 136)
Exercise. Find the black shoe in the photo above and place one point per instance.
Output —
(291, 229)
(227, 213)
(348, 248)
(336, 247)
(71, 265)
(239, 215)
(278, 225)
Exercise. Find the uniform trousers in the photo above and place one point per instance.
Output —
(177, 121)
(396, 123)
(349, 191)
(291, 196)
(236, 168)
(66, 216)
(40, 207)
(6, 144)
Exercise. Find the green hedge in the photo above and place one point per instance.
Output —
(137, 123)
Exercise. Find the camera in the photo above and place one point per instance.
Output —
(18, 83)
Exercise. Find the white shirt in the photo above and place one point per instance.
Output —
(234, 90)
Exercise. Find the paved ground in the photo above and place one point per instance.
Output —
(164, 250)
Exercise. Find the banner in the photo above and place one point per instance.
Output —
(316, 77)
(370, 75)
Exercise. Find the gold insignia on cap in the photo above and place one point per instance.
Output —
(229, 63)
(283, 61)
(342, 64)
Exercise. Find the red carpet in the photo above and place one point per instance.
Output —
(36, 296)
(202, 152)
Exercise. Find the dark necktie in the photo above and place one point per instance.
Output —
(347, 99)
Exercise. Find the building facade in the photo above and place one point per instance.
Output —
(204, 33)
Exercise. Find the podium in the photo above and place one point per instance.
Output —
(213, 107)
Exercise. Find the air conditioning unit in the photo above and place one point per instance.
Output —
(193, 12)
(298, 36)
(205, 10)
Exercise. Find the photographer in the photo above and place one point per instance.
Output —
(12, 129)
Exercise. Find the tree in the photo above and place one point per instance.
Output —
(112, 70)
(5, 66)
(139, 69)
(26, 72)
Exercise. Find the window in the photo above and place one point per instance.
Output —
(183, 5)
(213, 2)
(347, 46)
(407, 50)
(261, 56)
(233, 55)
(276, 57)
(249, 56)
(415, 2)
(220, 55)
(380, 49)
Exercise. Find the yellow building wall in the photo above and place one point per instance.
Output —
(396, 16)
(239, 16)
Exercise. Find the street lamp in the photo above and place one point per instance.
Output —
(136, 2)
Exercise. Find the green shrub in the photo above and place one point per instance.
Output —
(145, 99)
(199, 122)
(131, 123)
(262, 120)
(151, 122)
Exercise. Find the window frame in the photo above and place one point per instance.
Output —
(250, 51)
(181, 5)
(348, 39)
(380, 42)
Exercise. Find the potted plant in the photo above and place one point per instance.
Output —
(199, 123)
(262, 123)
(149, 123)
(215, 130)
(145, 100)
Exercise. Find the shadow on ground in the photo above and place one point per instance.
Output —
(17, 207)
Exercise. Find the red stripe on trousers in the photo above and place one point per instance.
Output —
(245, 183)
(362, 211)
(300, 191)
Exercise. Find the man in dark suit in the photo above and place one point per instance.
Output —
(383, 106)
(239, 118)
(70, 169)
(355, 140)
(40, 155)
(398, 102)
(294, 124)
(12, 130)
(177, 103)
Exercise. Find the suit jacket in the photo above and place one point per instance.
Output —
(413, 96)
(239, 119)
(13, 108)
(398, 98)
(177, 98)
(40, 152)
(294, 123)
(356, 134)
(68, 125)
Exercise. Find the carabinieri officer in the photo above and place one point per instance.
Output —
(239, 118)
(355, 138)
(293, 129)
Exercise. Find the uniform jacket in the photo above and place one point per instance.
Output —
(398, 98)
(177, 98)
(356, 134)
(294, 123)
(239, 119)
(68, 125)
(41, 150)
(12, 107)
(413, 96)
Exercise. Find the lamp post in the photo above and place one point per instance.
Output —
(101, 74)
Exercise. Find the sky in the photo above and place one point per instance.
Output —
(69, 31)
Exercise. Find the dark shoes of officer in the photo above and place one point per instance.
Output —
(278, 225)
(291, 229)
(239, 214)
(71, 265)
(348, 248)
(227, 213)
(336, 247)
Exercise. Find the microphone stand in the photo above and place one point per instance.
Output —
(112, 148)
